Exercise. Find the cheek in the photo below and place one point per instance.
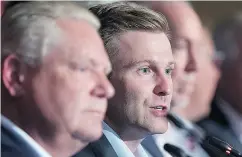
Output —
(138, 90)
(71, 89)
(69, 93)
(181, 62)
(168, 99)
(138, 96)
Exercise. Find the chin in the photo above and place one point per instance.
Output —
(94, 134)
(89, 134)
(158, 128)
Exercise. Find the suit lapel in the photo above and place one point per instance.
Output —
(14, 144)
(218, 126)
(102, 148)
(217, 115)
(150, 145)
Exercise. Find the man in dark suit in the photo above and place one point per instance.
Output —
(137, 41)
(54, 83)
(225, 119)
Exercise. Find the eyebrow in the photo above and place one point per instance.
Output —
(172, 63)
(107, 69)
(134, 63)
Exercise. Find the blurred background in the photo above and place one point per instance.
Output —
(213, 12)
(210, 12)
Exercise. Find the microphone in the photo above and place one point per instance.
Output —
(213, 146)
(175, 151)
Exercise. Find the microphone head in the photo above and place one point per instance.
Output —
(220, 146)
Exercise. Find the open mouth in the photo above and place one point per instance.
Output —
(159, 107)
(159, 111)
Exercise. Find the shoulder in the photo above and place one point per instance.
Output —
(8, 151)
(8, 147)
(11, 146)
(86, 152)
(99, 148)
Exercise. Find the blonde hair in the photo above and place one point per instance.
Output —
(119, 17)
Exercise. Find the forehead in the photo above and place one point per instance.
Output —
(81, 41)
(189, 29)
(138, 46)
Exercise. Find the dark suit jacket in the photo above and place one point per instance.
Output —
(8, 147)
(217, 125)
(14, 146)
(100, 148)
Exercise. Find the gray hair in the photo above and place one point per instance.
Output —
(94, 3)
(225, 38)
(29, 29)
(119, 17)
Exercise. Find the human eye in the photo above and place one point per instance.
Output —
(169, 71)
(77, 67)
(83, 68)
(145, 71)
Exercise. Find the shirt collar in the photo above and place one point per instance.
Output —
(233, 117)
(118, 145)
(9, 125)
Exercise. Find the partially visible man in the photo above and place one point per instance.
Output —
(225, 119)
(54, 84)
(206, 82)
(137, 41)
(2, 7)
(186, 35)
(188, 46)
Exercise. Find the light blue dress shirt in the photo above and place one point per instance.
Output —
(119, 146)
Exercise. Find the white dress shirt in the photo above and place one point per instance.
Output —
(10, 126)
(179, 138)
(119, 146)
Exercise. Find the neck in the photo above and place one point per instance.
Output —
(56, 147)
(55, 141)
(131, 135)
(133, 144)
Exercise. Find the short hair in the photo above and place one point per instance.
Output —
(225, 38)
(29, 29)
(119, 17)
